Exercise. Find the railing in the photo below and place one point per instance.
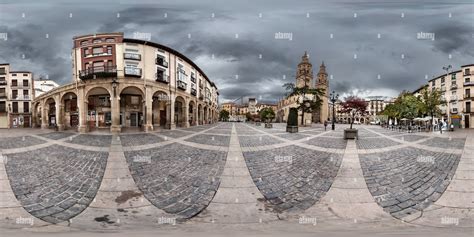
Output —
(193, 79)
(132, 56)
(201, 96)
(162, 62)
(21, 97)
(467, 110)
(3, 82)
(468, 96)
(102, 71)
(467, 74)
(133, 71)
(162, 77)
(182, 85)
(469, 83)
(454, 87)
(193, 91)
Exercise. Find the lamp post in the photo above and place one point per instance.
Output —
(114, 85)
(448, 112)
(333, 98)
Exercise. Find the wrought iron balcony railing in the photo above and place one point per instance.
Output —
(98, 72)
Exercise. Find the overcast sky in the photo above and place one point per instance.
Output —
(369, 47)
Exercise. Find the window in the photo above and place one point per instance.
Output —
(15, 107)
(467, 80)
(25, 93)
(442, 80)
(99, 65)
(3, 108)
(110, 40)
(453, 76)
(97, 51)
(109, 49)
(86, 52)
(84, 42)
(25, 83)
(95, 41)
(26, 107)
(433, 83)
(14, 94)
(2, 90)
(2, 70)
(14, 75)
(135, 100)
(467, 71)
(14, 83)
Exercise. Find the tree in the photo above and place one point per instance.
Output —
(267, 114)
(430, 102)
(305, 105)
(224, 115)
(354, 106)
(248, 116)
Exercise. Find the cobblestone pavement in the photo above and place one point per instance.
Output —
(292, 178)
(373, 143)
(407, 180)
(177, 179)
(139, 139)
(327, 142)
(214, 140)
(456, 143)
(56, 135)
(255, 141)
(92, 140)
(56, 183)
(174, 133)
(18, 142)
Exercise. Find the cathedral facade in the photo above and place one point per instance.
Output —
(304, 77)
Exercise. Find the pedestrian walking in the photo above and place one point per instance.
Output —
(325, 125)
(440, 125)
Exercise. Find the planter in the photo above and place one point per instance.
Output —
(351, 133)
(292, 129)
(268, 125)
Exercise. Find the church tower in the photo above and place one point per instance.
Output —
(304, 73)
(323, 84)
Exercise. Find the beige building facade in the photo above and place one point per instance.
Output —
(121, 83)
(16, 95)
(304, 77)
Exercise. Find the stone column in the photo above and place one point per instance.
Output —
(186, 115)
(44, 116)
(33, 115)
(82, 104)
(195, 116)
(59, 115)
(149, 110)
(115, 112)
(170, 113)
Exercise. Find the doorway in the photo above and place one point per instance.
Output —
(466, 121)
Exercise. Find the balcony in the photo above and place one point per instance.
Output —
(193, 78)
(3, 83)
(201, 96)
(469, 96)
(468, 110)
(162, 62)
(162, 77)
(132, 56)
(454, 87)
(98, 72)
(193, 91)
(469, 83)
(467, 74)
(182, 85)
(453, 98)
(133, 71)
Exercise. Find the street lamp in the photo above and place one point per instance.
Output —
(114, 85)
(448, 112)
(333, 98)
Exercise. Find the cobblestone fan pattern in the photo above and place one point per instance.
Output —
(409, 137)
(374, 142)
(19, 142)
(92, 140)
(293, 136)
(139, 139)
(56, 183)
(178, 179)
(292, 178)
(338, 134)
(449, 143)
(174, 133)
(220, 131)
(326, 142)
(214, 140)
(407, 180)
(253, 141)
(56, 135)
(243, 129)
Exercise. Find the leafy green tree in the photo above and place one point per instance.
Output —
(309, 104)
(430, 102)
(410, 106)
(267, 114)
(224, 115)
(248, 116)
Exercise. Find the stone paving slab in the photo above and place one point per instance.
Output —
(55, 183)
(326, 142)
(255, 141)
(374, 143)
(56, 135)
(214, 140)
(450, 143)
(139, 139)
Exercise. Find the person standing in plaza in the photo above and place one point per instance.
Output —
(440, 125)
(325, 125)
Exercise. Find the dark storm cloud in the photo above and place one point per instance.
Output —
(235, 63)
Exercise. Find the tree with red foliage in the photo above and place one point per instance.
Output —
(354, 106)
